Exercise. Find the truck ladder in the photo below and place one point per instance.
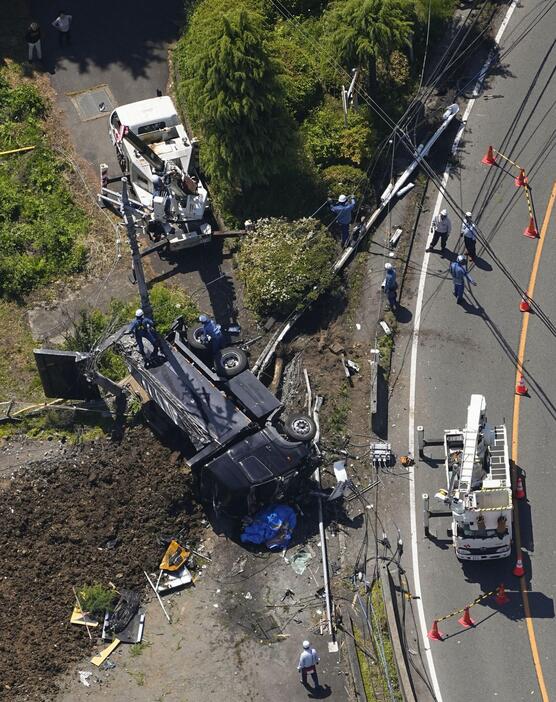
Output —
(499, 456)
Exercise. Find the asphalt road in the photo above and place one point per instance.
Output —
(473, 349)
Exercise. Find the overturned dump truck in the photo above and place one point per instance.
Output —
(242, 451)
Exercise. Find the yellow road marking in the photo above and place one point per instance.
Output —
(515, 443)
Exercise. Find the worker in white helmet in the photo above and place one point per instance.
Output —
(143, 328)
(390, 285)
(343, 209)
(458, 269)
(440, 229)
(308, 661)
(469, 234)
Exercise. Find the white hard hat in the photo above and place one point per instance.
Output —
(443, 213)
(139, 312)
(388, 266)
(306, 644)
(461, 258)
(469, 214)
(342, 198)
(203, 318)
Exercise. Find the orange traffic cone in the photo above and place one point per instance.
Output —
(501, 598)
(466, 620)
(488, 159)
(531, 230)
(521, 180)
(519, 489)
(521, 388)
(519, 570)
(434, 634)
(524, 305)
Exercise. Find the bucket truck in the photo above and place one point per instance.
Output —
(479, 491)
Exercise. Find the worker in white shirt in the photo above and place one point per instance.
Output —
(63, 24)
(308, 661)
(469, 234)
(440, 229)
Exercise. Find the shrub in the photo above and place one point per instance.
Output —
(284, 264)
(328, 141)
(97, 599)
(302, 85)
(20, 103)
(347, 180)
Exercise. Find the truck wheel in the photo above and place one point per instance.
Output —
(194, 339)
(230, 362)
(300, 427)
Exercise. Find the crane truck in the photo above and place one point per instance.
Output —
(479, 491)
(160, 162)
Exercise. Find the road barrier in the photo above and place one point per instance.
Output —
(465, 620)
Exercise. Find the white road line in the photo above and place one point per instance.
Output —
(413, 367)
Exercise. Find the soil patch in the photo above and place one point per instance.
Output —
(94, 514)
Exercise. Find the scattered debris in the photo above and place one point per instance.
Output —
(83, 619)
(386, 329)
(288, 593)
(273, 526)
(238, 566)
(300, 560)
(248, 596)
(84, 676)
(158, 597)
(103, 655)
(406, 461)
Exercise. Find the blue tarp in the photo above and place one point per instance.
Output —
(273, 526)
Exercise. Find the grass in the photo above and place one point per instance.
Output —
(18, 376)
(335, 412)
(137, 648)
(138, 676)
(59, 424)
(97, 599)
(372, 674)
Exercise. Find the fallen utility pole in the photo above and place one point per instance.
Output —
(362, 230)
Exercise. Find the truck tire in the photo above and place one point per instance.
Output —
(194, 336)
(300, 427)
(230, 362)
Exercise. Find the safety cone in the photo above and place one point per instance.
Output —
(524, 305)
(519, 489)
(434, 634)
(521, 180)
(488, 159)
(519, 570)
(531, 230)
(521, 388)
(466, 620)
(501, 598)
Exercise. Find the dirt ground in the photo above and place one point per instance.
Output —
(93, 514)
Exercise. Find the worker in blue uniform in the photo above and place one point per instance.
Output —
(143, 328)
(212, 333)
(343, 209)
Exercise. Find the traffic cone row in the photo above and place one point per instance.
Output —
(521, 387)
(524, 305)
(531, 230)
(521, 180)
(488, 159)
(434, 634)
(501, 596)
(519, 570)
(466, 620)
(519, 489)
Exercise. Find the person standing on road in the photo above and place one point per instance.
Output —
(33, 39)
(469, 234)
(343, 209)
(390, 285)
(63, 23)
(308, 661)
(440, 229)
(459, 275)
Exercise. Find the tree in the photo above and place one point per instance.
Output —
(363, 30)
(234, 94)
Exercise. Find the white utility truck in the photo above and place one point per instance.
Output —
(479, 490)
(160, 162)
